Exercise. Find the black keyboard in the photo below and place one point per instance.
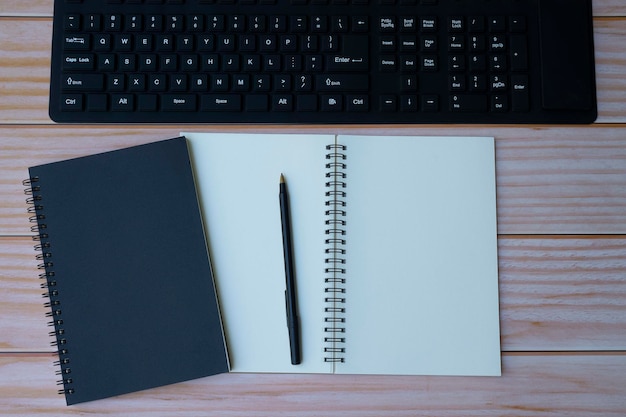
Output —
(323, 61)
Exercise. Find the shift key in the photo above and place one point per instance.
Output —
(82, 82)
(342, 82)
(353, 56)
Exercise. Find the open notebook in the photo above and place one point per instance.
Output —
(396, 272)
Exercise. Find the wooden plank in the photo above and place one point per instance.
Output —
(23, 322)
(531, 385)
(25, 70)
(26, 8)
(562, 180)
(613, 8)
(562, 293)
(555, 294)
(549, 180)
(25, 63)
(610, 37)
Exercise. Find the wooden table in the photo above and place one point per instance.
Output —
(562, 259)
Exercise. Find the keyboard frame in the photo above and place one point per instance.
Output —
(540, 76)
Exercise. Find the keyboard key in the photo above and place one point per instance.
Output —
(71, 102)
(456, 24)
(178, 102)
(408, 103)
(102, 42)
(519, 53)
(282, 102)
(429, 43)
(147, 102)
(354, 55)
(332, 102)
(116, 82)
(497, 43)
(498, 83)
(456, 83)
(517, 23)
(430, 103)
(428, 24)
(387, 63)
(77, 43)
(113, 22)
(306, 102)
(498, 63)
(429, 63)
(282, 82)
(78, 62)
(387, 24)
(83, 82)
(137, 82)
(360, 24)
(478, 83)
(357, 103)
(409, 83)
(97, 102)
(497, 24)
(93, 22)
(220, 102)
(388, 103)
(499, 103)
(122, 102)
(72, 22)
(342, 82)
(257, 102)
(468, 103)
(520, 93)
(476, 23)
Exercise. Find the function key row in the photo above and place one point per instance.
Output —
(179, 2)
(214, 23)
(136, 1)
(201, 22)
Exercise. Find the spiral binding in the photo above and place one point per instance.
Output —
(50, 284)
(335, 242)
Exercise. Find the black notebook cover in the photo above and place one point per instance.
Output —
(130, 287)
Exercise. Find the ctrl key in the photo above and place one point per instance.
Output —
(72, 102)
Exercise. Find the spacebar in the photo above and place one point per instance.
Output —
(220, 102)
(179, 102)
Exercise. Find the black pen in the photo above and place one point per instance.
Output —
(293, 324)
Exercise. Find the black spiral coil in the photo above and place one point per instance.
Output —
(44, 254)
(335, 250)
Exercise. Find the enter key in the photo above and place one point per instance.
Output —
(353, 55)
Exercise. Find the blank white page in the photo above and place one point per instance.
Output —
(237, 177)
(422, 276)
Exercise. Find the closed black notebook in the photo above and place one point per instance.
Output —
(131, 292)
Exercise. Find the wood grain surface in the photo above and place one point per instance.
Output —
(561, 195)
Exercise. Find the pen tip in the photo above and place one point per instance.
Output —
(282, 178)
